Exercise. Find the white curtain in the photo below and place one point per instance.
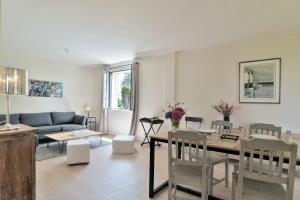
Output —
(134, 98)
(104, 110)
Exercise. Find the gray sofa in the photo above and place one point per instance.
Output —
(48, 122)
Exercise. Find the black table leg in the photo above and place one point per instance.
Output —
(188, 190)
(179, 150)
(61, 147)
(58, 145)
(152, 190)
(155, 132)
(151, 169)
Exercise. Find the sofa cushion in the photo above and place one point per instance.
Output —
(62, 117)
(36, 119)
(48, 129)
(14, 118)
(80, 119)
(71, 127)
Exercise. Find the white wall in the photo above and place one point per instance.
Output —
(80, 85)
(203, 77)
(157, 86)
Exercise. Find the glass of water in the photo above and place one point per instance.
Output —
(288, 136)
(244, 132)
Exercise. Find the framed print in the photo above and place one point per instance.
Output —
(260, 81)
(38, 88)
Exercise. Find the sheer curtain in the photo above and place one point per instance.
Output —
(104, 92)
(135, 98)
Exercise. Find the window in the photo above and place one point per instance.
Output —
(120, 87)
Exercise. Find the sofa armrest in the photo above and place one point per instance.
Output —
(80, 119)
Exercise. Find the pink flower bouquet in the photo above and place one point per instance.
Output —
(175, 113)
(225, 109)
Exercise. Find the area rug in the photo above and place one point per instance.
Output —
(43, 152)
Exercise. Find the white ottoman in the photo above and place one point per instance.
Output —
(123, 144)
(78, 151)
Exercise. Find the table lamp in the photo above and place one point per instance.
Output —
(12, 82)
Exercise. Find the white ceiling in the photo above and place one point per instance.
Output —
(107, 31)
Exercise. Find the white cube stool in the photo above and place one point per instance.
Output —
(78, 152)
(123, 144)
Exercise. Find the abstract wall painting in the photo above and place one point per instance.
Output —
(38, 88)
(260, 81)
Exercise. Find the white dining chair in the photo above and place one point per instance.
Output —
(215, 158)
(249, 184)
(221, 126)
(265, 129)
(185, 168)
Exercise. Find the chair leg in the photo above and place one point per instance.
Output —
(211, 180)
(175, 191)
(170, 190)
(233, 191)
(206, 186)
(226, 171)
(233, 184)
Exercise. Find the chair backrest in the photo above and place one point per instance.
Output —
(221, 126)
(267, 149)
(193, 119)
(268, 129)
(190, 139)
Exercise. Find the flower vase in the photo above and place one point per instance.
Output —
(175, 125)
(226, 118)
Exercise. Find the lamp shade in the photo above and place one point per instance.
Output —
(13, 81)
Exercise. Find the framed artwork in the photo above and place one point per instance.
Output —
(260, 81)
(39, 88)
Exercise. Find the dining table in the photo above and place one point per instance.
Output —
(214, 143)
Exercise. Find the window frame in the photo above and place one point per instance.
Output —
(118, 68)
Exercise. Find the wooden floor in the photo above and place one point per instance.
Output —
(111, 177)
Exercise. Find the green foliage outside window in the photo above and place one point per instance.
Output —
(124, 101)
(126, 91)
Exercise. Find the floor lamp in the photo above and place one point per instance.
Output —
(12, 82)
(88, 109)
